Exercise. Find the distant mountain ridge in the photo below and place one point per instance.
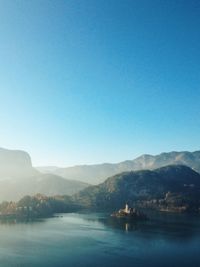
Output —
(171, 187)
(19, 178)
(174, 188)
(95, 174)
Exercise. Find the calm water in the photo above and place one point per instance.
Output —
(97, 240)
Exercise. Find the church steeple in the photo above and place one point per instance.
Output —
(126, 208)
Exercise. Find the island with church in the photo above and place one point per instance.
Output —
(129, 213)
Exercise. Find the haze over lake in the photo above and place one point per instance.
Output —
(81, 240)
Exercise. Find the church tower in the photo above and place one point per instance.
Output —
(126, 208)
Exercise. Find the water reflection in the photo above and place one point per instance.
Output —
(13, 221)
(180, 227)
(99, 240)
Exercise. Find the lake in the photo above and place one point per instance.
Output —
(95, 240)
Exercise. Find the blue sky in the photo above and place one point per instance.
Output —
(99, 81)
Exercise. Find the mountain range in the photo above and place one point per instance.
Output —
(174, 188)
(145, 180)
(163, 182)
(19, 178)
(95, 174)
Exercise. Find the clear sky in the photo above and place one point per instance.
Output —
(87, 81)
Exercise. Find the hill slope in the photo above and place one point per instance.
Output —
(47, 184)
(166, 187)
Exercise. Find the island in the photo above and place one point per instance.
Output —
(129, 213)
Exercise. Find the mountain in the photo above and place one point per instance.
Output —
(19, 178)
(47, 169)
(15, 163)
(170, 187)
(95, 174)
(47, 184)
(190, 159)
